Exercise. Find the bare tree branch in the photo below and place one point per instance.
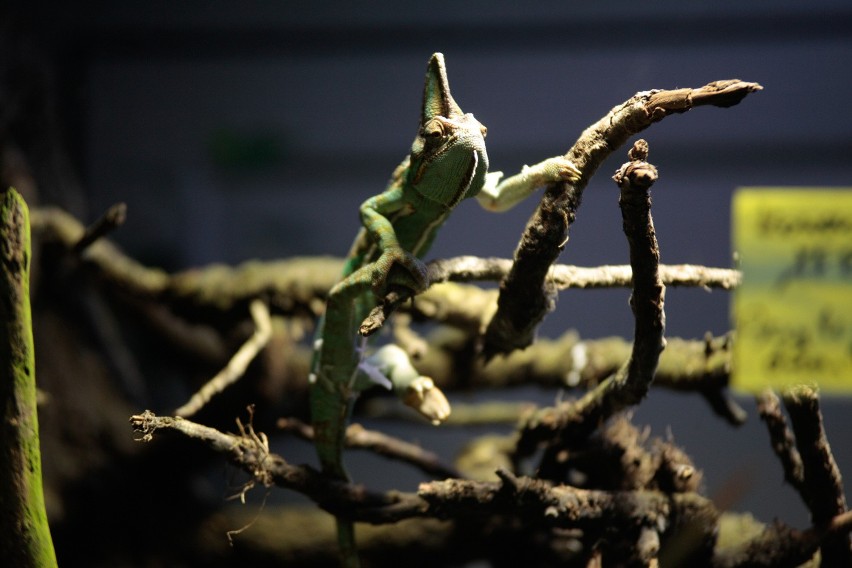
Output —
(823, 484)
(238, 364)
(108, 222)
(525, 294)
(299, 284)
(561, 277)
(630, 383)
(782, 439)
(555, 506)
(359, 437)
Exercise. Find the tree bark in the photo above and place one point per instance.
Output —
(25, 539)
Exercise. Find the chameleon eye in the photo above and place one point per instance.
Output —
(483, 130)
(433, 130)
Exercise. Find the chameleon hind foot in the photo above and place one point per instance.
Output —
(426, 398)
(415, 390)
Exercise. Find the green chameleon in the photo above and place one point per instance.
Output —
(447, 164)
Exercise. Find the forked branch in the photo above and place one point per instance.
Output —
(526, 296)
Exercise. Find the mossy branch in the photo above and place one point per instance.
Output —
(220, 295)
(299, 285)
(25, 539)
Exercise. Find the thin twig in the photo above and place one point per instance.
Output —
(691, 275)
(108, 222)
(782, 439)
(238, 364)
(561, 277)
(359, 437)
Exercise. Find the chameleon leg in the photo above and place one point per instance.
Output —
(498, 195)
(374, 214)
(382, 271)
(417, 391)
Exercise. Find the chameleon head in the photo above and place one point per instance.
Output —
(448, 157)
(423, 396)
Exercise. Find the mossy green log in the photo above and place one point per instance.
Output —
(25, 539)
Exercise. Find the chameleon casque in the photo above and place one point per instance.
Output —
(447, 164)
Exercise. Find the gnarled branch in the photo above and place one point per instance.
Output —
(525, 294)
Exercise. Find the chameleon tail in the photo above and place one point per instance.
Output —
(346, 543)
(345, 528)
(330, 411)
(329, 442)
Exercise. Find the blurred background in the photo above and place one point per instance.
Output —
(255, 129)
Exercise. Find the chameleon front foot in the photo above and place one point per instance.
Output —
(497, 195)
(563, 169)
(401, 268)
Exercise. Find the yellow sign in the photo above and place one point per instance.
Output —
(793, 311)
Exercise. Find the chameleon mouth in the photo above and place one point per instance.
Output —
(465, 181)
(433, 154)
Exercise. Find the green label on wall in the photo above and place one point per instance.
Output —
(793, 311)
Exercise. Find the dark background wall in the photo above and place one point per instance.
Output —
(242, 130)
(330, 95)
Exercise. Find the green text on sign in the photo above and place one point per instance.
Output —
(793, 311)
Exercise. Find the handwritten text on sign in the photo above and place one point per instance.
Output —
(793, 311)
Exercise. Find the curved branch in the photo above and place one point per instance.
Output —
(237, 365)
(525, 294)
(782, 439)
(299, 284)
(822, 489)
(359, 437)
(213, 293)
(113, 218)
(628, 385)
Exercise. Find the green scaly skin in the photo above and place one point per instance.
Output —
(447, 164)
